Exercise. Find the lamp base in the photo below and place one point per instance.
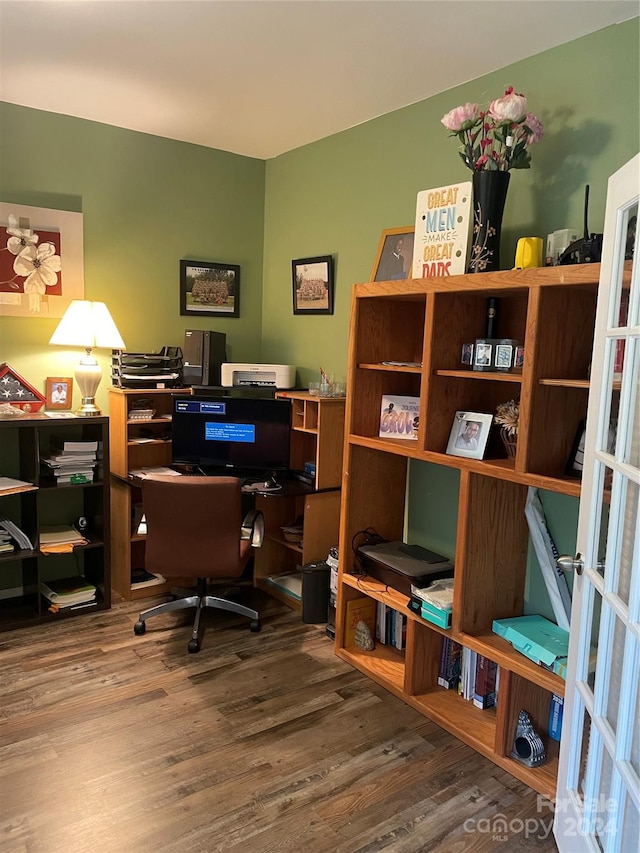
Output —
(88, 409)
(88, 375)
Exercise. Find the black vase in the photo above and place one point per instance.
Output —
(489, 195)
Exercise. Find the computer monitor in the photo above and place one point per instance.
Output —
(242, 435)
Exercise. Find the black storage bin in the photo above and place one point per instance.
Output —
(315, 592)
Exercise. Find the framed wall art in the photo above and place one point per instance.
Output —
(59, 392)
(395, 255)
(209, 289)
(41, 260)
(313, 285)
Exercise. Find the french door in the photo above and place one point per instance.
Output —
(598, 796)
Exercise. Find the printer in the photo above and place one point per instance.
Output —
(258, 375)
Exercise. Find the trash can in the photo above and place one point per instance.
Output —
(315, 592)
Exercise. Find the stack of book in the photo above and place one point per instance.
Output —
(69, 592)
(141, 578)
(391, 626)
(470, 674)
(13, 532)
(72, 462)
(59, 539)
(6, 544)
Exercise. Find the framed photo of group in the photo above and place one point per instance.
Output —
(209, 289)
(312, 282)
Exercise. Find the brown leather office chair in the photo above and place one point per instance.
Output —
(195, 530)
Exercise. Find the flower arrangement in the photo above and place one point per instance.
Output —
(508, 416)
(495, 139)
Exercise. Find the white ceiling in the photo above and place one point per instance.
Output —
(261, 77)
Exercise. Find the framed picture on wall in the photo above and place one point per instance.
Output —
(395, 254)
(209, 289)
(312, 280)
(59, 392)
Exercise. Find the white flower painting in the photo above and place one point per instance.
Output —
(38, 246)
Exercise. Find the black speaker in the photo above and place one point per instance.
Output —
(204, 352)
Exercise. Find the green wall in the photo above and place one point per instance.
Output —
(146, 202)
(336, 196)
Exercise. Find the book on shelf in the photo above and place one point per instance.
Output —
(450, 664)
(361, 609)
(484, 694)
(60, 534)
(9, 485)
(141, 578)
(399, 417)
(66, 592)
(76, 446)
(18, 535)
(74, 480)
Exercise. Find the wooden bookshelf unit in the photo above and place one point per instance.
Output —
(24, 442)
(551, 311)
(317, 435)
(136, 443)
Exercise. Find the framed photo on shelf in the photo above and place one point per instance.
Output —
(312, 280)
(395, 255)
(576, 457)
(209, 289)
(59, 392)
(469, 434)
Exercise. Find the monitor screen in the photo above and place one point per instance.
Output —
(243, 433)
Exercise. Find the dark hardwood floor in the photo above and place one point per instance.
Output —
(261, 742)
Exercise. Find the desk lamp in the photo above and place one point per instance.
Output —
(87, 324)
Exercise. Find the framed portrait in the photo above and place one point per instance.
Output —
(395, 255)
(59, 392)
(312, 280)
(469, 434)
(209, 289)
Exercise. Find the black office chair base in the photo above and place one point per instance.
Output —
(200, 601)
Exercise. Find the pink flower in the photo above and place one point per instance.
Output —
(510, 108)
(533, 124)
(482, 159)
(460, 118)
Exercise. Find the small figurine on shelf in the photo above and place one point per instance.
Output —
(363, 638)
(528, 748)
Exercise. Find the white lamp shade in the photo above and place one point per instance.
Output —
(87, 324)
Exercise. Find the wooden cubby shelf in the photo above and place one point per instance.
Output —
(24, 443)
(549, 311)
(128, 545)
(317, 436)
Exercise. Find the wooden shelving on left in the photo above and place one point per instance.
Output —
(24, 441)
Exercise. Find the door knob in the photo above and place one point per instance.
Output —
(571, 564)
(576, 564)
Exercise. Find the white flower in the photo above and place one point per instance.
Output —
(40, 265)
(20, 237)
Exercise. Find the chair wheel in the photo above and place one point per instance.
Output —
(193, 646)
(139, 628)
(254, 626)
